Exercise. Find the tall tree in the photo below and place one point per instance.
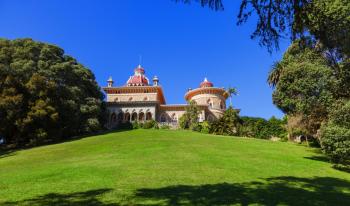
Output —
(306, 85)
(328, 21)
(231, 91)
(45, 94)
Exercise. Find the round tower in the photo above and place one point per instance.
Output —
(207, 94)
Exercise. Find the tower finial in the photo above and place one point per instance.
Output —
(140, 60)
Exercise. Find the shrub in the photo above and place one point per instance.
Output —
(228, 124)
(335, 142)
(262, 128)
(165, 126)
(183, 122)
(125, 126)
(135, 125)
(335, 135)
(150, 124)
(190, 118)
(205, 127)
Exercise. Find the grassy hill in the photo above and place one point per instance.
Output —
(161, 167)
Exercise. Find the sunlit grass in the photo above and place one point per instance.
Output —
(165, 167)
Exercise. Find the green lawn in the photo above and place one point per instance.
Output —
(161, 167)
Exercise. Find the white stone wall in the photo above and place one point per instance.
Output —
(216, 103)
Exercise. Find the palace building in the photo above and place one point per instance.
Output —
(139, 100)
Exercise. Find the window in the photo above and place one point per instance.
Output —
(163, 117)
(174, 117)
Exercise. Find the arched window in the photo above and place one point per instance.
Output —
(210, 118)
(163, 117)
(113, 117)
(148, 116)
(120, 116)
(134, 116)
(174, 117)
(210, 104)
(127, 117)
(222, 105)
(141, 116)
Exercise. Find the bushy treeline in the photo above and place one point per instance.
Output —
(149, 124)
(234, 125)
(311, 86)
(263, 129)
(45, 95)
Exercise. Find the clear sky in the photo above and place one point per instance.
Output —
(179, 43)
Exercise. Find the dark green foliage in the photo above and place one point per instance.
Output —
(335, 135)
(340, 115)
(228, 124)
(262, 128)
(335, 142)
(44, 94)
(189, 120)
(305, 85)
(328, 21)
(125, 126)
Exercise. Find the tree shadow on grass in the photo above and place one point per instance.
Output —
(6, 153)
(87, 198)
(320, 158)
(284, 190)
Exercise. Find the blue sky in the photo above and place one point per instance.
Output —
(179, 43)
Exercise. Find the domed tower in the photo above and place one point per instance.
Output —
(213, 97)
(139, 78)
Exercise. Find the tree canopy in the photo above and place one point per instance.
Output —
(327, 21)
(45, 94)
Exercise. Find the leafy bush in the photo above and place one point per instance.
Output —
(125, 126)
(135, 125)
(335, 142)
(262, 128)
(183, 122)
(190, 118)
(150, 124)
(335, 136)
(205, 127)
(165, 126)
(228, 124)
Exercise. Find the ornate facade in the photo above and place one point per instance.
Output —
(139, 101)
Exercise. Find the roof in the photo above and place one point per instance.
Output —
(139, 78)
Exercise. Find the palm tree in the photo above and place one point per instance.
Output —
(275, 74)
(231, 91)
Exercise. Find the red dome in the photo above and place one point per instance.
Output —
(206, 83)
(140, 70)
(138, 79)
